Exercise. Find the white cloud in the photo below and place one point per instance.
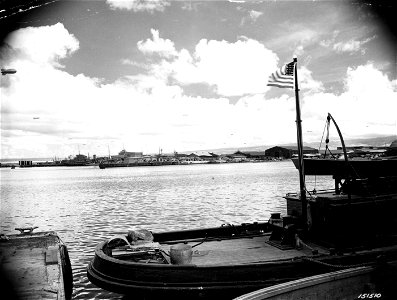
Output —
(44, 45)
(330, 41)
(306, 81)
(232, 68)
(130, 62)
(139, 5)
(367, 106)
(350, 46)
(157, 45)
(299, 50)
(254, 15)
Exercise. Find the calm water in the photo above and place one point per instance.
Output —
(86, 205)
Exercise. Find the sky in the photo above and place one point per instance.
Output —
(94, 76)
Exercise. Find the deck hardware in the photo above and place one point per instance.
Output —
(26, 230)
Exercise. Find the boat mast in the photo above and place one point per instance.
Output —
(300, 149)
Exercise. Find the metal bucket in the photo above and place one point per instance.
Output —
(181, 254)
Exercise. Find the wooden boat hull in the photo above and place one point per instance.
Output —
(36, 265)
(353, 283)
(217, 280)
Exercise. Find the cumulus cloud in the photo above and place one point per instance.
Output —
(162, 47)
(367, 104)
(366, 107)
(233, 69)
(139, 5)
(307, 83)
(44, 45)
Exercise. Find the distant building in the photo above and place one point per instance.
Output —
(25, 163)
(123, 154)
(202, 155)
(256, 155)
(288, 151)
(238, 156)
(130, 154)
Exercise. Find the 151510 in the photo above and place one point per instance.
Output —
(370, 296)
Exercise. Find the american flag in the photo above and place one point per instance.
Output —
(283, 77)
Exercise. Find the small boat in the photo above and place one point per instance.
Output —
(219, 262)
(35, 266)
(371, 282)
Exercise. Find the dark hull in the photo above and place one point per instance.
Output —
(369, 282)
(190, 281)
(220, 281)
(359, 168)
(73, 164)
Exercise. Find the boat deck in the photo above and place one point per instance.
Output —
(242, 251)
(32, 265)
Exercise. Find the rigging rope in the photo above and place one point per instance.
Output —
(335, 266)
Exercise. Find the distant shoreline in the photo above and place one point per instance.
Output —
(16, 160)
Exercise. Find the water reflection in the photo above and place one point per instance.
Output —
(86, 205)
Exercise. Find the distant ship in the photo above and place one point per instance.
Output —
(78, 160)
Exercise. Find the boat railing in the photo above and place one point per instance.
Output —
(310, 193)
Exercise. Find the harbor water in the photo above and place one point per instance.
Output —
(86, 205)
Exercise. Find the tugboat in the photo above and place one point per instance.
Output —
(349, 227)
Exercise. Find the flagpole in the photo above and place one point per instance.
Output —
(300, 149)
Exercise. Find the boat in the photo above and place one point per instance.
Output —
(221, 262)
(360, 209)
(79, 160)
(350, 226)
(356, 167)
(35, 265)
(371, 282)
